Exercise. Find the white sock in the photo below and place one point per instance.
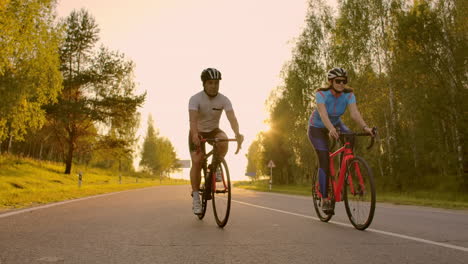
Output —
(196, 196)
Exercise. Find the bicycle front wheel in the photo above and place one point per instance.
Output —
(202, 193)
(359, 193)
(317, 198)
(221, 194)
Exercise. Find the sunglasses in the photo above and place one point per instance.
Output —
(339, 81)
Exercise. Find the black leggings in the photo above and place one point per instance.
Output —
(319, 139)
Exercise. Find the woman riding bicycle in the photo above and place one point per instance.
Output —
(331, 103)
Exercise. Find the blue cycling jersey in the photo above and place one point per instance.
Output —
(334, 103)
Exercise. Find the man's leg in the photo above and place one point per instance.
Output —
(196, 155)
(195, 178)
(195, 170)
(222, 146)
(222, 150)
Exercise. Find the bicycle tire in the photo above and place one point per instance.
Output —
(318, 200)
(359, 198)
(202, 194)
(221, 196)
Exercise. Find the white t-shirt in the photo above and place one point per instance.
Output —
(209, 109)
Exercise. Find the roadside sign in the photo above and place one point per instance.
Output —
(250, 174)
(271, 164)
(183, 163)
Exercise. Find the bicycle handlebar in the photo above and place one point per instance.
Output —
(374, 131)
(216, 140)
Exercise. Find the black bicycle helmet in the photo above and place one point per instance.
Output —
(337, 72)
(210, 74)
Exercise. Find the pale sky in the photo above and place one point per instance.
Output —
(172, 41)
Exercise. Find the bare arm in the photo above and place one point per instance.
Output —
(324, 116)
(233, 121)
(326, 121)
(193, 117)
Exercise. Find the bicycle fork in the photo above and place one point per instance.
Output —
(213, 174)
(358, 174)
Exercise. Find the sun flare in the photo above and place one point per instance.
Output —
(266, 127)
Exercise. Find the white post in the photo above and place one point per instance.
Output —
(80, 178)
(271, 176)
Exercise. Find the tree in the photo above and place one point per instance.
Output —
(255, 157)
(29, 65)
(158, 155)
(149, 150)
(116, 149)
(166, 156)
(407, 63)
(287, 143)
(98, 89)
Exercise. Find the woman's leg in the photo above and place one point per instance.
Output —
(319, 139)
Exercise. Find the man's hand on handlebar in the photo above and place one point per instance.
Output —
(240, 138)
(196, 139)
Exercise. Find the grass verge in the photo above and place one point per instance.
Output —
(27, 182)
(420, 198)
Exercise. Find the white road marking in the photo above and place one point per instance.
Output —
(380, 204)
(20, 211)
(368, 230)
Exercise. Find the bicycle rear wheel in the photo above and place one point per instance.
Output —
(359, 193)
(317, 198)
(221, 194)
(202, 194)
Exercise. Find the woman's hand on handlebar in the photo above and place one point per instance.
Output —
(333, 133)
(369, 130)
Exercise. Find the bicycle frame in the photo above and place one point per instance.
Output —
(347, 151)
(214, 153)
(350, 181)
(213, 173)
(217, 191)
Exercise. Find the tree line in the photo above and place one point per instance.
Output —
(63, 97)
(407, 63)
(158, 156)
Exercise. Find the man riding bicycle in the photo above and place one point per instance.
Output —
(205, 109)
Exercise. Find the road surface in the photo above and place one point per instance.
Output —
(155, 225)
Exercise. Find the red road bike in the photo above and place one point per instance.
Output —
(217, 182)
(353, 183)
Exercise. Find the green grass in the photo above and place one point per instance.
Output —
(27, 182)
(421, 198)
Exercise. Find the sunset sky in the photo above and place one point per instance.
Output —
(172, 41)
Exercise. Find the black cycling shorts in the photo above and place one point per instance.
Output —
(211, 134)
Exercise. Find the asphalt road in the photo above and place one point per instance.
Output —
(155, 225)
